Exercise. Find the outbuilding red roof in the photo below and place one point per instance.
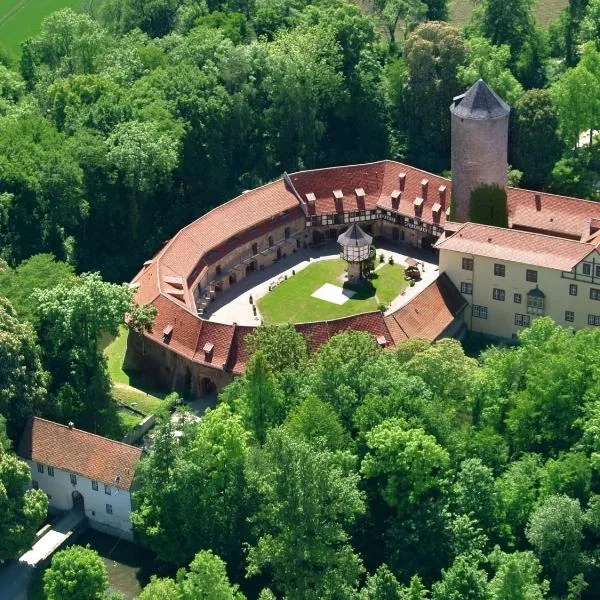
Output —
(80, 452)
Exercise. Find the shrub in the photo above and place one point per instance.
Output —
(488, 206)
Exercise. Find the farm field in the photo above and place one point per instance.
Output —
(545, 11)
(21, 19)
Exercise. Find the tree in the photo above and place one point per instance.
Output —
(555, 530)
(464, 580)
(183, 488)
(488, 206)
(535, 146)
(46, 203)
(576, 94)
(516, 577)
(570, 474)
(282, 346)
(518, 491)
(22, 510)
(433, 53)
(261, 402)
(490, 63)
(76, 573)
(161, 588)
(71, 320)
(474, 493)
(207, 580)
(317, 423)
(23, 381)
(334, 369)
(40, 271)
(392, 12)
(382, 585)
(407, 464)
(590, 25)
(307, 501)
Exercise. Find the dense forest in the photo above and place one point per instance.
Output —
(353, 472)
(123, 123)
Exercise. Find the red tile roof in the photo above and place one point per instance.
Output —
(517, 246)
(554, 215)
(86, 454)
(429, 313)
(186, 256)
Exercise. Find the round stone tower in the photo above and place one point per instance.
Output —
(479, 121)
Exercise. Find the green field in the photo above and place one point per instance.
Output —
(545, 11)
(291, 301)
(21, 19)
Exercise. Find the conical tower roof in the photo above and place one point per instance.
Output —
(480, 102)
(354, 236)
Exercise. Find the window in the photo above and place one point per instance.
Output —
(35, 485)
(594, 320)
(597, 268)
(466, 288)
(218, 270)
(587, 268)
(94, 485)
(270, 241)
(517, 298)
(73, 479)
(569, 316)
(107, 490)
(594, 294)
(535, 305)
(498, 294)
(522, 320)
(572, 289)
(40, 468)
(480, 312)
(50, 471)
(467, 264)
(109, 509)
(254, 248)
(499, 270)
(287, 233)
(531, 275)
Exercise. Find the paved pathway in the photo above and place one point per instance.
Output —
(15, 575)
(233, 306)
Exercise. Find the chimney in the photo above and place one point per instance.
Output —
(402, 181)
(381, 341)
(538, 202)
(424, 187)
(338, 197)
(395, 198)
(71, 424)
(442, 191)
(208, 351)
(311, 199)
(360, 198)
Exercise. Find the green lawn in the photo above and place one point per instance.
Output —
(21, 19)
(291, 300)
(129, 388)
(545, 11)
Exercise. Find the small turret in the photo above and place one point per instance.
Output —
(479, 120)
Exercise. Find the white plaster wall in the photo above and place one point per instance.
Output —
(60, 490)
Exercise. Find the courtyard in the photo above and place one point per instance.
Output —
(311, 294)
(283, 292)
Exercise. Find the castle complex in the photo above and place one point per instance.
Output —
(491, 280)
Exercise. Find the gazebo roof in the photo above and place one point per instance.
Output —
(354, 236)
